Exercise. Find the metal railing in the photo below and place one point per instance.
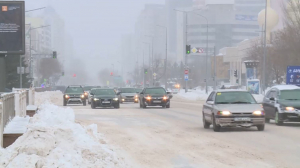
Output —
(7, 111)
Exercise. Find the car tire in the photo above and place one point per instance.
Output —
(168, 106)
(84, 103)
(65, 103)
(277, 121)
(92, 105)
(260, 127)
(141, 105)
(216, 128)
(117, 106)
(267, 120)
(89, 102)
(144, 106)
(206, 124)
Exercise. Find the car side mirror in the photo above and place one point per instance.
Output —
(118, 93)
(272, 99)
(210, 102)
(169, 93)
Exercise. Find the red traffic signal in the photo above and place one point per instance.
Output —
(74, 75)
(111, 74)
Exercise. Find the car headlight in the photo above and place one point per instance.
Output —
(289, 108)
(136, 96)
(224, 113)
(148, 98)
(67, 96)
(115, 99)
(96, 99)
(82, 96)
(165, 97)
(85, 93)
(258, 112)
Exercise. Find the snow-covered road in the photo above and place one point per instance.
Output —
(175, 137)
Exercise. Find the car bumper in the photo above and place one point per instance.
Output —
(129, 100)
(240, 121)
(153, 103)
(98, 103)
(75, 101)
(289, 116)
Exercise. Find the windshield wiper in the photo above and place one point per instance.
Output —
(222, 103)
(240, 102)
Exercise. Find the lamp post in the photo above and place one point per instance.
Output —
(166, 60)
(151, 64)
(206, 76)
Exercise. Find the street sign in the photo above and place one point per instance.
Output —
(194, 50)
(186, 71)
(186, 77)
(154, 74)
(293, 75)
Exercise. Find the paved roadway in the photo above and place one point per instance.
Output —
(175, 137)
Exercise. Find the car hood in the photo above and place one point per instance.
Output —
(76, 94)
(105, 96)
(238, 108)
(128, 94)
(290, 103)
(155, 95)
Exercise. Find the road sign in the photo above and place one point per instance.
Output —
(154, 74)
(194, 50)
(293, 75)
(186, 71)
(186, 77)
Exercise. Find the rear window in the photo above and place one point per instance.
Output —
(103, 92)
(155, 91)
(234, 98)
(74, 90)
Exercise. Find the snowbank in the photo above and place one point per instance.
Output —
(54, 97)
(17, 125)
(53, 139)
(193, 94)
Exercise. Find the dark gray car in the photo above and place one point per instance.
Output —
(282, 104)
(232, 108)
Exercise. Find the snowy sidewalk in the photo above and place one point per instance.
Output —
(53, 139)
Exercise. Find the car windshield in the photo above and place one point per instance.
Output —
(127, 90)
(234, 98)
(290, 94)
(155, 91)
(103, 92)
(138, 90)
(88, 88)
(74, 90)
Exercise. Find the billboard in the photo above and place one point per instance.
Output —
(293, 75)
(253, 86)
(12, 27)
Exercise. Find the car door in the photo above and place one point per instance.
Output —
(273, 107)
(267, 103)
(207, 108)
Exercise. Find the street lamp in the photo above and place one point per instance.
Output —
(166, 60)
(151, 64)
(206, 57)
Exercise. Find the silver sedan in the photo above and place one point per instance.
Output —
(232, 108)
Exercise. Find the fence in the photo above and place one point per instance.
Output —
(7, 111)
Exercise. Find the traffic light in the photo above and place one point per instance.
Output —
(146, 71)
(235, 73)
(54, 54)
(111, 74)
(188, 49)
(74, 75)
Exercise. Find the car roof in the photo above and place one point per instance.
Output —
(74, 86)
(154, 88)
(102, 89)
(231, 90)
(285, 87)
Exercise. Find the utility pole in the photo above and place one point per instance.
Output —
(185, 58)
(265, 50)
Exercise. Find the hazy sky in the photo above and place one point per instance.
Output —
(96, 24)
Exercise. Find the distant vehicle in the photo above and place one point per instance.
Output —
(128, 95)
(282, 104)
(175, 88)
(155, 96)
(87, 90)
(104, 98)
(74, 95)
(232, 108)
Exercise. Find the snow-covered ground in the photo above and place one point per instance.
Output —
(201, 95)
(53, 139)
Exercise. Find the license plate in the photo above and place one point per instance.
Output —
(156, 101)
(106, 102)
(242, 119)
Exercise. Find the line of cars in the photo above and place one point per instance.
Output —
(109, 97)
(238, 108)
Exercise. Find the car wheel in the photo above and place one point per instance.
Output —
(206, 124)
(217, 128)
(261, 127)
(144, 106)
(168, 106)
(65, 103)
(92, 105)
(267, 120)
(277, 121)
(84, 103)
(141, 105)
(89, 102)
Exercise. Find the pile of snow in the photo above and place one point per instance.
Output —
(17, 125)
(48, 96)
(53, 139)
(193, 94)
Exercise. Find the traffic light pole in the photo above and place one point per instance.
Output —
(185, 60)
